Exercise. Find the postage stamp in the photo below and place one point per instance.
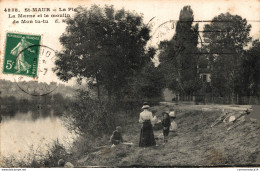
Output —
(21, 54)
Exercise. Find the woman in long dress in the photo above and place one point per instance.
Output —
(21, 64)
(146, 136)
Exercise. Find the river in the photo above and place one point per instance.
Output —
(30, 132)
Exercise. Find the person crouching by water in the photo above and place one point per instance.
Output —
(146, 135)
(116, 137)
(166, 122)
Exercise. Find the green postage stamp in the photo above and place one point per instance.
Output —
(21, 54)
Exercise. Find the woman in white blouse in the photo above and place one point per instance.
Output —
(146, 136)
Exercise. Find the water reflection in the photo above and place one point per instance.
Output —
(27, 131)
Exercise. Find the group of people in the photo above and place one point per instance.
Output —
(147, 119)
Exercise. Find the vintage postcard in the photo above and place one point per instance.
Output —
(131, 83)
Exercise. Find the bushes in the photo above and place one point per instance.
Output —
(36, 159)
(88, 116)
(56, 151)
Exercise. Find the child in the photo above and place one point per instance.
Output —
(166, 122)
(116, 137)
(154, 120)
(173, 126)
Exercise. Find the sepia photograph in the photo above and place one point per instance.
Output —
(129, 84)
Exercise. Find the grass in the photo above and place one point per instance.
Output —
(36, 159)
(195, 144)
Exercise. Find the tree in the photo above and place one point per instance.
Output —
(178, 57)
(226, 36)
(148, 84)
(251, 70)
(104, 45)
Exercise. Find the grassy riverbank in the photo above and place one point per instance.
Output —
(196, 143)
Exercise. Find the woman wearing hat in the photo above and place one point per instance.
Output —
(146, 136)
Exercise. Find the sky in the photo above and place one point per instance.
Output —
(161, 10)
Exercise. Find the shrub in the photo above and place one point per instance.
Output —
(36, 159)
(88, 116)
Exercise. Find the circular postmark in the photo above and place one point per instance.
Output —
(34, 77)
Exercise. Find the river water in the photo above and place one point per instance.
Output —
(30, 132)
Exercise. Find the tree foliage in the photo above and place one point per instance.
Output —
(88, 116)
(148, 84)
(178, 57)
(251, 71)
(226, 37)
(105, 45)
